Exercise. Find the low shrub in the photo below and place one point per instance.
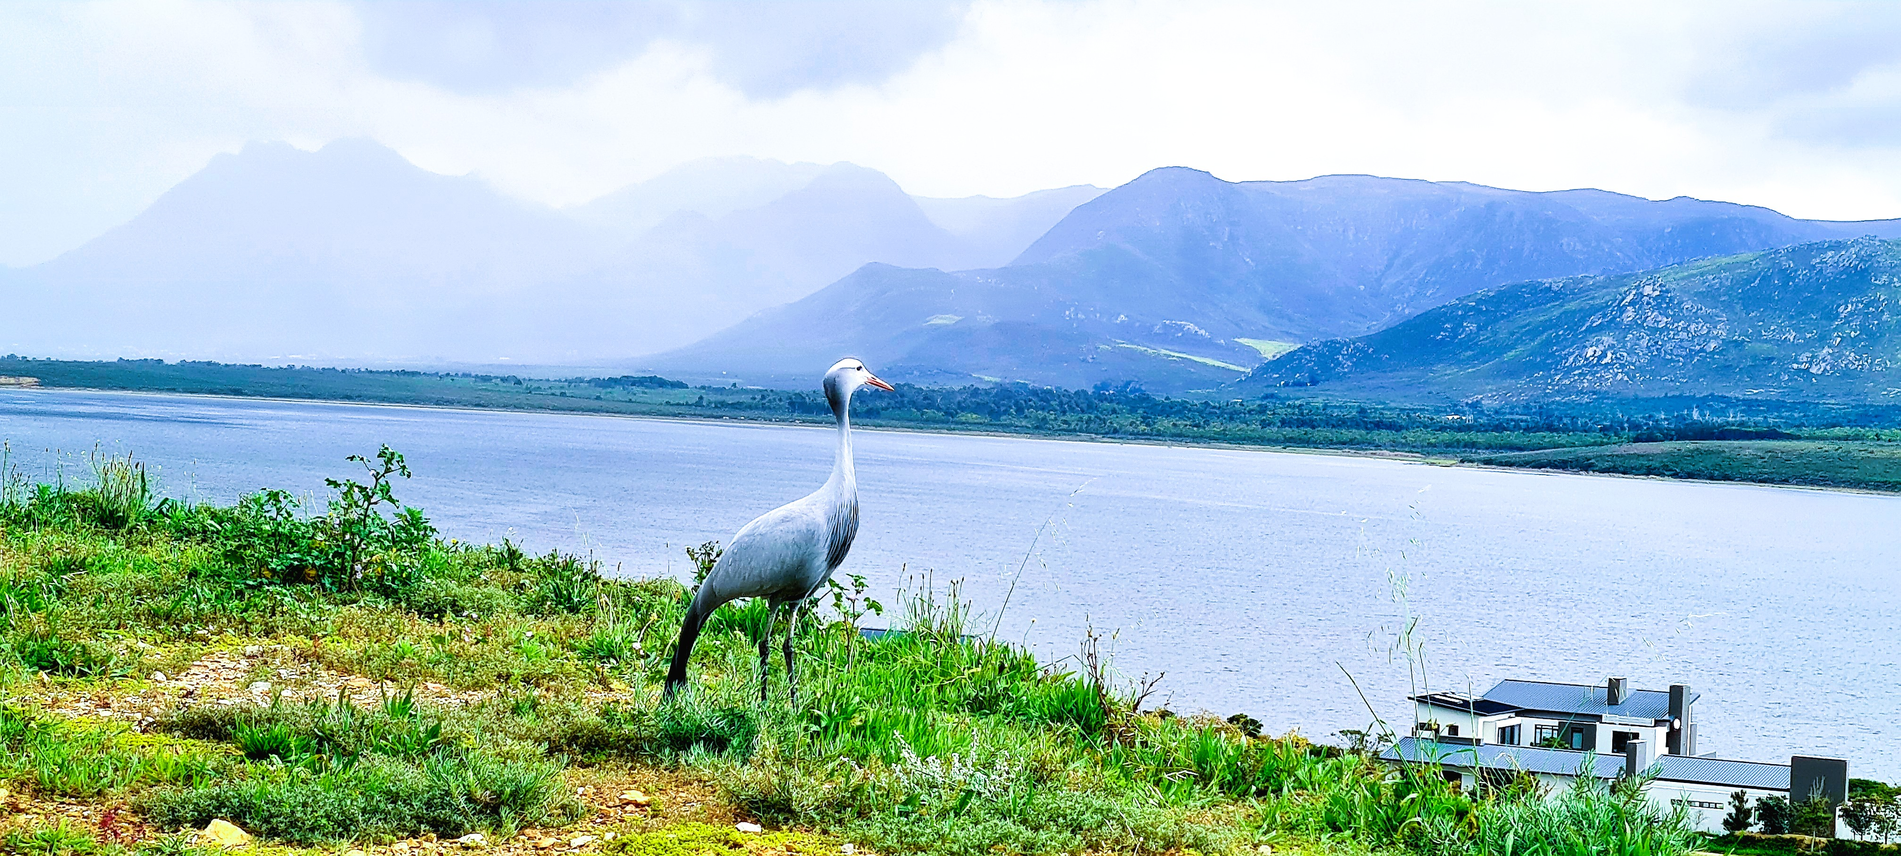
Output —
(377, 798)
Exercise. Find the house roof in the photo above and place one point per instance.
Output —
(1565, 762)
(1462, 702)
(1580, 699)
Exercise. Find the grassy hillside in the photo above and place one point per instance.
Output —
(1868, 466)
(338, 677)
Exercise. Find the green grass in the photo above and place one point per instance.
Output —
(1178, 355)
(1269, 348)
(1850, 464)
(925, 740)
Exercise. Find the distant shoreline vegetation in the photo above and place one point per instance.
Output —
(1791, 443)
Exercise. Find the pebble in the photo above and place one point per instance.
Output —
(635, 798)
(744, 826)
(848, 848)
(159, 677)
(473, 839)
(260, 687)
(224, 833)
(580, 841)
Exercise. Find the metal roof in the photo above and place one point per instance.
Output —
(1567, 762)
(1720, 771)
(1555, 762)
(1465, 703)
(1580, 699)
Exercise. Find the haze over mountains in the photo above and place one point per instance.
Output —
(353, 254)
(1179, 280)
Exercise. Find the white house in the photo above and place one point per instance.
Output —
(1558, 732)
(1602, 718)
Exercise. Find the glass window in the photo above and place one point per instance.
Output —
(1508, 735)
(1545, 735)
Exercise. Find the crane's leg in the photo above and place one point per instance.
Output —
(791, 678)
(765, 649)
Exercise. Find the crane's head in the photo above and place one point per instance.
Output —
(844, 378)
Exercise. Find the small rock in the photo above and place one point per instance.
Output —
(260, 687)
(159, 677)
(635, 798)
(580, 841)
(1264, 849)
(224, 833)
(473, 839)
(253, 650)
(848, 848)
(744, 826)
(607, 836)
(545, 843)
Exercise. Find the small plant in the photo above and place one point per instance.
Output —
(1740, 817)
(703, 557)
(356, 529)
(1774, 814)
(565, 585)
(1814, 817)
(272, 741)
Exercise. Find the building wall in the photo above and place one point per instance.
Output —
(1707, 804)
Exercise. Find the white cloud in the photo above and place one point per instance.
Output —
(1792, 105)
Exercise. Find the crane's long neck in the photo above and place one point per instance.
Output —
(843, 479)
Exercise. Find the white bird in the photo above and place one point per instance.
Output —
(788, 553)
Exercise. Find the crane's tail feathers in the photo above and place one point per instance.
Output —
(683, 650)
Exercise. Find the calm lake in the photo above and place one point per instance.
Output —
(1256, 581)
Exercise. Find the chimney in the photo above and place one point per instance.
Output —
(1682, 736)
(1614, 691)
(1636, 758)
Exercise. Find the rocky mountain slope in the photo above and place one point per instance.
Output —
(1810, 322)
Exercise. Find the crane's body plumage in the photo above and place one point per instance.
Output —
(787, 554)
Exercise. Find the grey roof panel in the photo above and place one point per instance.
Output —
(1465, 703)
(1556, 762)
(1581, 699)
(1721, 771)
(1567, 762)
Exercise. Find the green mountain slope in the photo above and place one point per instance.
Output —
(1811, 322)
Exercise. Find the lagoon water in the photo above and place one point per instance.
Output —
(1256, 581)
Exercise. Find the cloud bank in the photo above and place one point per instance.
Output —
(1793, 105)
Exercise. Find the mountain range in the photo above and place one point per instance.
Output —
(764, 272)
(1818, 321)
(1180, 281)
(351, 253)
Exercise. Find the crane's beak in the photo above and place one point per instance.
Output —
(874, 381)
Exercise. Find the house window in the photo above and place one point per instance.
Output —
(1578, 736)
(1452, 731)
(1620, 740)
(1546, 736)
(1508, 735)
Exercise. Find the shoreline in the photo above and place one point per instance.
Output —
(1418, 458)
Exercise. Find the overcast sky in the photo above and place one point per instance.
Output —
(1792, 105)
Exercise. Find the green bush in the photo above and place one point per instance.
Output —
(449, 794)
